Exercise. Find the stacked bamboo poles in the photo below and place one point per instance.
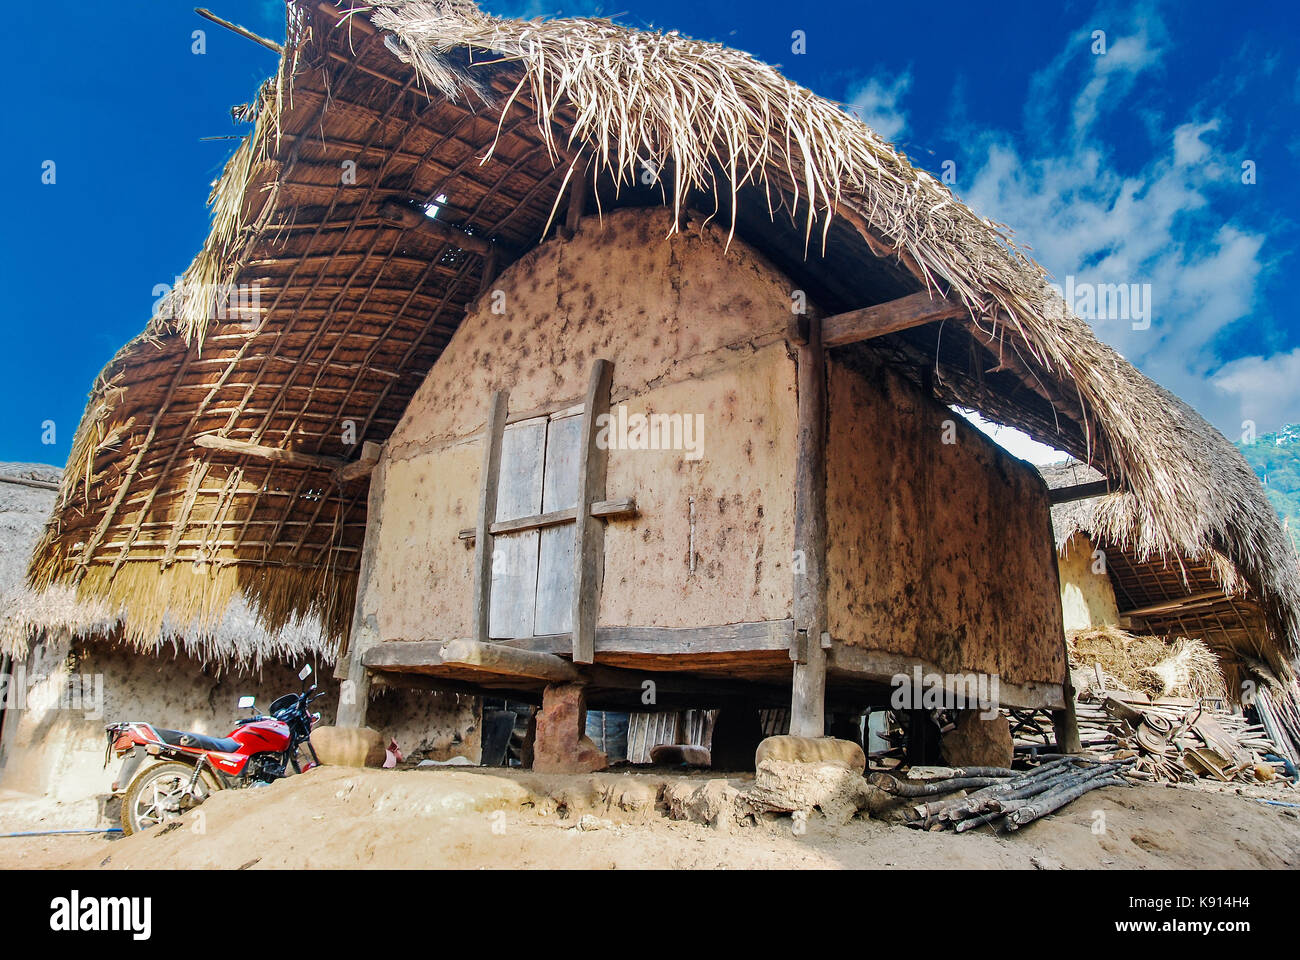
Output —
(1281, 715)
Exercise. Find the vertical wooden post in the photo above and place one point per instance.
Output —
(589, 531)
(1065, 723)
(808, 702)
(491, 265)
(354, 692)
(578, 187)
(487, 512)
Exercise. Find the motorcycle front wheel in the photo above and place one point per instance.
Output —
(158, 795)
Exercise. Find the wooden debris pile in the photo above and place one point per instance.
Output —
(1169, 738)
(965, 798)
(1162, 703)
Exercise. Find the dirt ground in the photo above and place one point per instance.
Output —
(472, 819)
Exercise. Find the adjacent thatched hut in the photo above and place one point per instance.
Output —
(69, 668)
(1110, 580)
(453, 246)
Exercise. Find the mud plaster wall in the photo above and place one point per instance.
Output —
(1087, 598)
(937, 551)
(58, 753)
(691, 327)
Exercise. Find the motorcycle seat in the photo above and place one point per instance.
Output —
(197, 741)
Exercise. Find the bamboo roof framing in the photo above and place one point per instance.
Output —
(1201, 597)
(378, 112)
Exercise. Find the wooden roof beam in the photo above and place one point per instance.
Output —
(293, 458)
(1081, 491)
(362, 466)
(242, 31)
(904, 313)
(347, 16)
(1170, 606)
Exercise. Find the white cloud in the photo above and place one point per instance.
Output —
(1189, 148)
(1264, 390)
(1113, 72)
(877, 105)
(1156, 225)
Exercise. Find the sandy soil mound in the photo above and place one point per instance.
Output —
(332, 818)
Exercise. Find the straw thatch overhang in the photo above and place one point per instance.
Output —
(234, 638)
(521, 126)
(1202, 597)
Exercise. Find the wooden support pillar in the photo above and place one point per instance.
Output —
(354, 691)
(1066, 724)
(589, 532)
(487, 512)
(808, 702)
(491, 267)
(354, 696)
(578, 188)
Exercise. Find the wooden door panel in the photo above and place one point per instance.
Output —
(555, 581)
(563, 447)
(514, 585)
(555, 563)
(519, 493)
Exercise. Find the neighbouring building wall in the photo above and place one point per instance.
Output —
(54, 748)
(938, 551)
(58, 750)
(1087, 597)
(691, 327)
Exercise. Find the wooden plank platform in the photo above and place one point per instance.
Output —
(732, 660)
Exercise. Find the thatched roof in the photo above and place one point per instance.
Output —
(1204, 597)
(433, 99)
(27, 495)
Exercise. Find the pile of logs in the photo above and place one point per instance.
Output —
(1003, 799)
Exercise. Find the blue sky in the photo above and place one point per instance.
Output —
(1117, 167)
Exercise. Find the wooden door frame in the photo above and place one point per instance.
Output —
(589, 532)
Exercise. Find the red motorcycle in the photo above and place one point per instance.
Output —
(190, 766)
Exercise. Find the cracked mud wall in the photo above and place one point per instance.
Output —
(940, 551)
(691, 327)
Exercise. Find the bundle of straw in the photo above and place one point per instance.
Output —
(1158, 666)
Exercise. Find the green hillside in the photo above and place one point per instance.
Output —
(1275, 458)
